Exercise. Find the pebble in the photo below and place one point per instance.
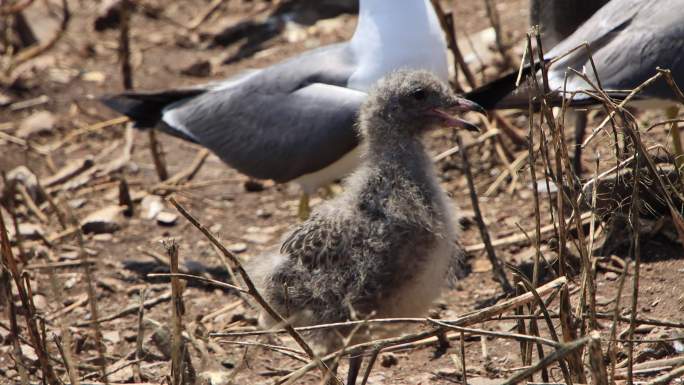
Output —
(103, 237)
(28, 231)
(166, 218)
(237, 248)
(263, 214)
(112, 336)
(611, 276)
(258, 238)
(5, 100)
(39, 122)
(70, 283)
(29, 353)
(102, 221)
(24, 176)
(77, 203)
(151, 205)
(40, 302)
(215, 377)
(94, 76)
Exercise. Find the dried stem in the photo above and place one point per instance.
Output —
(176, 314)
(15, 8)
(29, 310)
(251, 288)
(66, 345)
(139, 338)
(635, 251)
(484, 233)
(559, 354)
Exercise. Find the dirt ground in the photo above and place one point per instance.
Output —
(84, 66)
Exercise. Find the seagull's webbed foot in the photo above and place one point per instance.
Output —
(304, 210)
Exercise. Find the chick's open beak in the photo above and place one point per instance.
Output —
(459, 106)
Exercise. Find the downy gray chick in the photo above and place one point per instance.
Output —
(383, 246)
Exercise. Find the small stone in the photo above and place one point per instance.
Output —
(10, 373)
(611, 276)
(77, 203)
(449, 372)
(166, 218)
(237, 248)
(542, 187)
(94, 76)
(40, 302)
(263, 214)
(5, 100)
(258, 238)
(28, 231)
(24, 176)
(678, 345)
(199, 69)
(112, 336)
(151, 205)
(39, 122)
(69, 256)
(103, 237)
(388, 360)
(215, 377)
(70, 283)
(105, 220)
(29, 353)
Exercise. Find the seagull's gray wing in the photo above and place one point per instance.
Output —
(281, 122)
(559, 19)
(628, 39)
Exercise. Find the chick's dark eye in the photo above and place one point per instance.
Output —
(419, 94)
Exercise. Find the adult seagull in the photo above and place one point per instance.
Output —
(628, 40)
(558, 19)
(293, 121)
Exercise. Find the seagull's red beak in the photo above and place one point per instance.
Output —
(459, 106)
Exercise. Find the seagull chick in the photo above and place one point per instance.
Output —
(383, 246)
